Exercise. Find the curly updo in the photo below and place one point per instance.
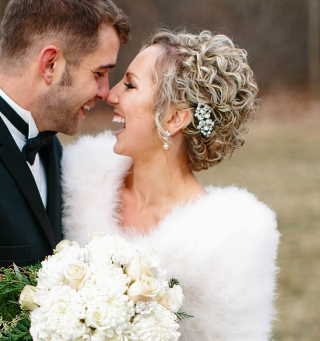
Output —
(207, 69)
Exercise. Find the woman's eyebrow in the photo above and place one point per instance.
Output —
(131, 74)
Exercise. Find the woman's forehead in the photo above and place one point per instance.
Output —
(145, 61)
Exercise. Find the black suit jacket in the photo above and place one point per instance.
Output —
(28, 231)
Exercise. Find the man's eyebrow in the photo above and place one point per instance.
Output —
(106, 66)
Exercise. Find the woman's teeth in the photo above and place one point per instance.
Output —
(120, 120)
(87, 108)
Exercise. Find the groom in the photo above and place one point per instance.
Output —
(55, 56)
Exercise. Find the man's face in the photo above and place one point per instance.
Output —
(79, 88)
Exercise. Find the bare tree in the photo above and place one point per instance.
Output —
(274, 32)
(3, 4)
(314, 47)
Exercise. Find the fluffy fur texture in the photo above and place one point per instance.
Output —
(222, 247)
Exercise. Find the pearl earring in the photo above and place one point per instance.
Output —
(165, 146)
(165, 136)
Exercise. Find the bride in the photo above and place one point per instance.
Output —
(181, 106)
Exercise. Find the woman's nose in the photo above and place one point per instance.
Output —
(113, 96)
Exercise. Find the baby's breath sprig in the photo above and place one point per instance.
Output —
(14, 322)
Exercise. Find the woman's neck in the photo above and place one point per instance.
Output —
(161, 181)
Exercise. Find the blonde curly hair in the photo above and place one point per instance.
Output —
(205, 68)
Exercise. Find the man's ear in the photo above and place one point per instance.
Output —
(177, 119)
(47, 62)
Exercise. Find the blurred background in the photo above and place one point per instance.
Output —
(280, 161)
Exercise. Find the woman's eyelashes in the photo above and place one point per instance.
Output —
(129, 85)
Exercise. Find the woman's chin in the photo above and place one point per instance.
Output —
(118, 131)
(118, 149)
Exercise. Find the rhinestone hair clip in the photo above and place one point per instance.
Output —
(205, 123)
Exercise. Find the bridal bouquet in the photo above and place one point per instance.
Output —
(107, 290)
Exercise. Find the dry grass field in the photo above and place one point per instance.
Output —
(280, 163)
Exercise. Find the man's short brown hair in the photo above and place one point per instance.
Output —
(75, 22)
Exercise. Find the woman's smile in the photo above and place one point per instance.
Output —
(119, 123)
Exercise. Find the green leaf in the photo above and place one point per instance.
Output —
(173, 282)
(19, 275)
(182, 315)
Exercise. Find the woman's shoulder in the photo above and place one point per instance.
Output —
(92, 157)
(220, 218)
(238, 205)
(226, 213)
(230, 203)
(227, 242)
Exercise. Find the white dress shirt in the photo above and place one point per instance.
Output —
(37, 169)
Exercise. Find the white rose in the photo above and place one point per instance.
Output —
(145, 287)
(26, 300)
(173, 299)
(159, 324)
(110, 249)
(52, 269)
(64, 244)
(138, 268)
(76, 274)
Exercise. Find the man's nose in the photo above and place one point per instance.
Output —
(104, 89)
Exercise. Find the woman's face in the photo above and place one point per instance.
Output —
(133, 102)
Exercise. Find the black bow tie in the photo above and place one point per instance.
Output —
(33, 145)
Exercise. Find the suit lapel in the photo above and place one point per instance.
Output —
(51, 159)
(13, 160)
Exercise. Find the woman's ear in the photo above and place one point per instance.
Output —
(47, 63)
(178, 119)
